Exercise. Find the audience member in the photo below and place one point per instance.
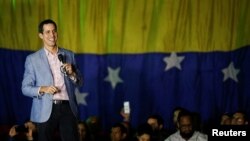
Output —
(95, 128)
(127, 124)
(157, 123)
(84, 133)
(25, 132)
(186, 131)
(239, 118)
(225, 119)
(144, 132)
(118, 132)
(176, 112)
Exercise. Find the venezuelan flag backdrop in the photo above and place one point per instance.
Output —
(156, 54)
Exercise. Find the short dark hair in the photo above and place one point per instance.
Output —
(159, 118)
(42, 23)
(121, 126)
(144, 128)
(185, 113)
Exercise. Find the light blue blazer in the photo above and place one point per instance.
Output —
(37, 73)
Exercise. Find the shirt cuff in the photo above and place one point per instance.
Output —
(73, 78)
(40, 94)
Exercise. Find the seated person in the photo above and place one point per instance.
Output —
(83, 131)
(225, 119)
(185, 130)
(157, 124)
(26, 132)
(118, 132)
(144, 132)
(239, 118)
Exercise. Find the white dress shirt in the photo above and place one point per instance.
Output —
(197, 136)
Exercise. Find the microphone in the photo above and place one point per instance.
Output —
(61, 58)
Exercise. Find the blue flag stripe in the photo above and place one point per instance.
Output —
(152, 83)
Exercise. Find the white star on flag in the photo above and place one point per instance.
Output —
(173, 61)
(230, 72)
(113, 77)
(80, 97)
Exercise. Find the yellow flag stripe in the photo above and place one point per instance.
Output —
(129, 26)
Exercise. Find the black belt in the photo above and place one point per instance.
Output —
(60, 102)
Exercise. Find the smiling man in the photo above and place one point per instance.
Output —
(50, 78)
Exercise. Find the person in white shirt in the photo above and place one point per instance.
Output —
(185, 130)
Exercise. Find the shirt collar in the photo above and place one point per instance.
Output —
(47, 52)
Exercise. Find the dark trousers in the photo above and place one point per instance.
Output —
(61, 119)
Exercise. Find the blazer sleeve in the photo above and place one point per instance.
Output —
(28, 83)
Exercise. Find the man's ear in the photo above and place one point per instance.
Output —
(40, 35)
(178, 125)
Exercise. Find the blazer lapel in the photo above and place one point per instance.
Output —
(45, 63)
